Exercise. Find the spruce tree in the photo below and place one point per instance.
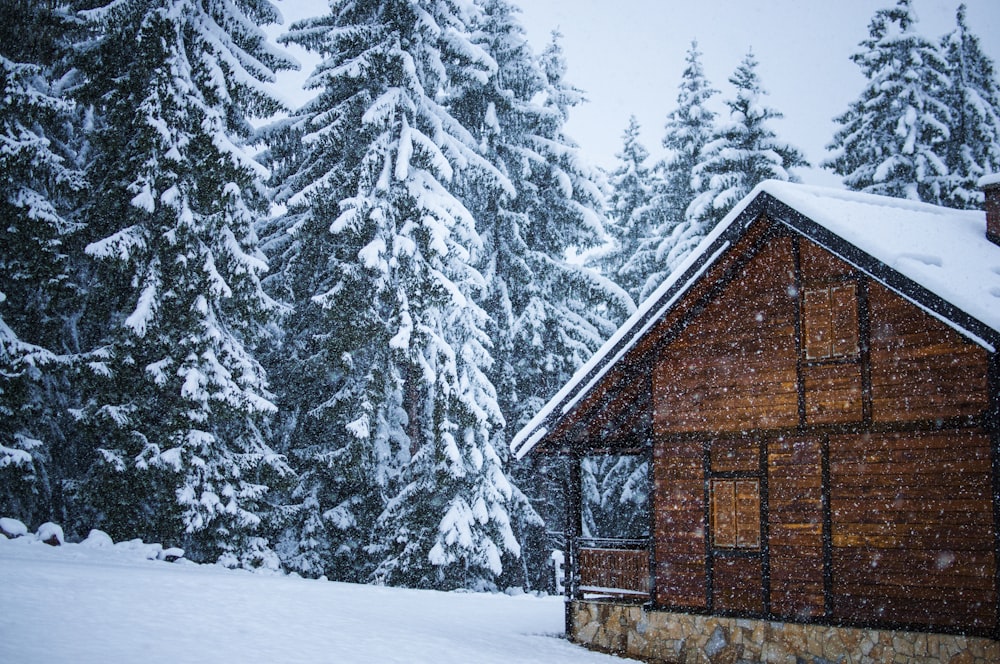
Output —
(563, 312)
(542, 310)
(973, 146)
(615, 492)
(689, 128)
(38, 190)
(742, 153)
(178, 424)
(890, 140)
(328, 512)
(629, 213)
(404, 424)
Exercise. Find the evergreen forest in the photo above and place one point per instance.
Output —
(302, 338)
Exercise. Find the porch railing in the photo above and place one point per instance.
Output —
(614, 567)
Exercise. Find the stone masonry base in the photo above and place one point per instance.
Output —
(660, 636)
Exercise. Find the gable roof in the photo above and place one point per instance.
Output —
(935, 257)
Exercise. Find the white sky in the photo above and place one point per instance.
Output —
(628, 56)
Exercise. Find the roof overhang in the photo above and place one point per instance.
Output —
(780, 203)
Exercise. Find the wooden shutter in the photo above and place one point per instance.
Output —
(724, 514)
(830, 321)
(736, 514)
(844, 320)
(747, 514)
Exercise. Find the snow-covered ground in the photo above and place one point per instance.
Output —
(110, 604)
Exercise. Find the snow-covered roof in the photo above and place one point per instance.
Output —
(938, 258)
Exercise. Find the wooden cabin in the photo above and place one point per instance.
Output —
(817, 394)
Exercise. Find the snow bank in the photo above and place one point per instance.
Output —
(12, 528)
(93, 603)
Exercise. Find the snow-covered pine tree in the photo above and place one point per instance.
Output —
(37, 191)
(973, 147)
(629, 213)
(409, 405)
(563, 312)
(742, 153)
(689, 128)
(891, 138)
(328, 512)
(547, 315)
(181, 457)
(615, 493)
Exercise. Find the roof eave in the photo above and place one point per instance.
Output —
(757, 203)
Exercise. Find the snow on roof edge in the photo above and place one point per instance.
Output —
(525, 439)
(989, 180)
(798, 197)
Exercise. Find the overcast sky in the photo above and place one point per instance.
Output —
(628, 56)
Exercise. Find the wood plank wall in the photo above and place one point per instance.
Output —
(734, 366)
(913, 527)
(921, 368)
(679, 523)
(879, 489)
(795, 508)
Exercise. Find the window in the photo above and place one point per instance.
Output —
(830, 321)
(736, 513)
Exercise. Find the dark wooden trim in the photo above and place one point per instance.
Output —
(765, 531)
(651, 504)
(800, 379)
(706, 471)
(574, 502)
(865, 348)
(827, 533)
(993, 424)
(915, 426)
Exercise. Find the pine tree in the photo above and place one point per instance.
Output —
(689, 128)
(973, 147)
(630, 214)
(891, 137)
(328, 513)
(549, 315)
(408, 414)
(615, 491)
(742, 153)
(37, 193)
(562, 312)
(542, 310)
(181, 455)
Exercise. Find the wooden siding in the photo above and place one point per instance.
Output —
(818, 264)
(872, 514)
(737, 584)
(729, 455)
(795, 508)
(912, 522)
(614, 571)
(734, 366)
(679, 523)
(921, 369)
(833, 393)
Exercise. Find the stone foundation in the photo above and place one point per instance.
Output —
(660, 636)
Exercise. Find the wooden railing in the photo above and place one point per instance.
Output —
(614, 567)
